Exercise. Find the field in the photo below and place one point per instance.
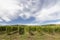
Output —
(25, 32)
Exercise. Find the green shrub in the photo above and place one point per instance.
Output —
(48, 29)
(2, 29)
(57, 30)
(8, 30)
(32, 30)
(14, 28)
(21, 30)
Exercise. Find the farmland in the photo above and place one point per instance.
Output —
(25, 32)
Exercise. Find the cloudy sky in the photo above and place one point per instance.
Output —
(30, 12)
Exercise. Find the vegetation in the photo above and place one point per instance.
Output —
(25, 32)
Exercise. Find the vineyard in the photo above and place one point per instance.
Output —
(25, 32)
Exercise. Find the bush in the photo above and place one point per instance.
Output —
(2, 29)
(8, 30)
(32, 30)
(21, 30)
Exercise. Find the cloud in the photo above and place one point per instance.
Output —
(41, 10)
(9, 9)
(58, 22)
(48, 14)
(12, 9)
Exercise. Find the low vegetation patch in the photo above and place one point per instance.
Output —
(47, 30)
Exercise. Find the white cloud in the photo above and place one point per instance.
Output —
(53, 22)
(46, 14)
(25, 15)
(9, 9)
(41, 10)
(1, 20)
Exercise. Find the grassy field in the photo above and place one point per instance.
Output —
(25, 32)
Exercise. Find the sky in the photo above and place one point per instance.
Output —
(34, 12)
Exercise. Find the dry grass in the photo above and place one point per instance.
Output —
(27, 36)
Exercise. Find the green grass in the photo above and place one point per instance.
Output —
(24, 32)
